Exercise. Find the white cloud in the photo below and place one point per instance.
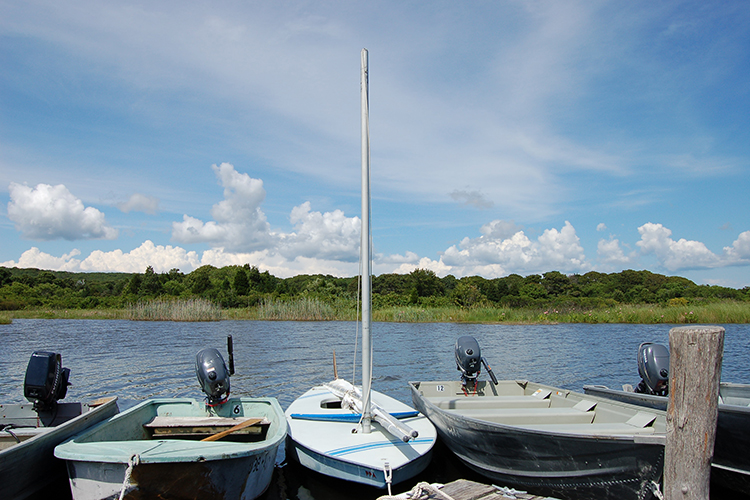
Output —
(601, 227)
(327, 236)
(161, 258)
(240, 225)
(140, 203)
(34, 257)
(739, 252)
(554, 250)
(611, 255)
(52, 212)
(673, 255)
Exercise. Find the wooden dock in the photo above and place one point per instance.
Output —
(463, 489)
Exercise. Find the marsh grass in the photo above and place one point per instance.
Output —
(303, 309)
(174, 310)
(311, 309)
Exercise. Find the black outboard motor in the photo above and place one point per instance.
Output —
(653, 367)
(213, 376)
(469, 360)
(46, 380)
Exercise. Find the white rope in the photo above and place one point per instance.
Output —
(657, 490)
(508, 492)
(134, 460)
(420, 491)
(388, 472)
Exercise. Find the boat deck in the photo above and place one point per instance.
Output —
(544, 409)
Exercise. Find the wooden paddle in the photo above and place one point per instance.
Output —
(242, 425)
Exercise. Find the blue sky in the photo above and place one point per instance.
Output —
(507, 137)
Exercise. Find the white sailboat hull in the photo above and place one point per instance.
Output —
(320, 438)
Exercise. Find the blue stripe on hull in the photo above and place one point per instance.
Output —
(349, 471)
(346, 417)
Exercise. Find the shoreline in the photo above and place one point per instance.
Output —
(724, 312)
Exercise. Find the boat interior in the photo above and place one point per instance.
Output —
(186, 419)
(541, 408)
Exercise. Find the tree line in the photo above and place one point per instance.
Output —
(247, 286)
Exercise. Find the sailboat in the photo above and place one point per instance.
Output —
(356, 433)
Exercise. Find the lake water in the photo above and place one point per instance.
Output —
(141, 360)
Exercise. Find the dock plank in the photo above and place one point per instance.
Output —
(464, 489)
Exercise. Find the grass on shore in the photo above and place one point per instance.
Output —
(175, 310)
(308, 309)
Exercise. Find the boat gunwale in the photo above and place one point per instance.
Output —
(169, 450)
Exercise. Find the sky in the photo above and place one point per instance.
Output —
(506, 136)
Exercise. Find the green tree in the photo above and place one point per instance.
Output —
(134, 285)
(426, 283)
(150, 283)
(466, 295)
(241, 283)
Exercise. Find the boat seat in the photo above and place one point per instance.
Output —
(591, 429)
(523, 416)
(199, 427)
(489, 402)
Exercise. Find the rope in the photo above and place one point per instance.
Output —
(656, 490)
(420, 492)
(388, 472)
(7, 429)
(134, 460)
(508, 492)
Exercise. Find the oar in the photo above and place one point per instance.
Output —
(242, 425)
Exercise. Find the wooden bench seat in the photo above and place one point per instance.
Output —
(199, 427)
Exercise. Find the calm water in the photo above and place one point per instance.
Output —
(140, 360)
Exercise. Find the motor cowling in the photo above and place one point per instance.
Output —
(653, 368)
(469, 361)
(46, 380)
(213, 375)
(468, 357)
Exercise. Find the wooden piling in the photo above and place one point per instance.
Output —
(694, 376)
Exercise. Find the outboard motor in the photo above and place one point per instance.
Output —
(213, 376)
(653, 367)
(46, 380)
(469, 360)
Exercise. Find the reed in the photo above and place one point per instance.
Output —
(174, 310)
(303, 309)
(5, 319)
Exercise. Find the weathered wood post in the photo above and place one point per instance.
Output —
(694, 376)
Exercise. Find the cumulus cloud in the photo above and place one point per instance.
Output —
(140, 203)
(239, 224)
(611, 255)
(328, 236)
(498, 253)
(52, 212)
(34, 257)
(739, 252)
(601, 227)
(161, 258)
(673, 255)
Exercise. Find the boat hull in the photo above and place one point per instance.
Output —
(581, 464)
(30, 467)
(215, 480)
(330, 447)
(122, 454)
(731, 461)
